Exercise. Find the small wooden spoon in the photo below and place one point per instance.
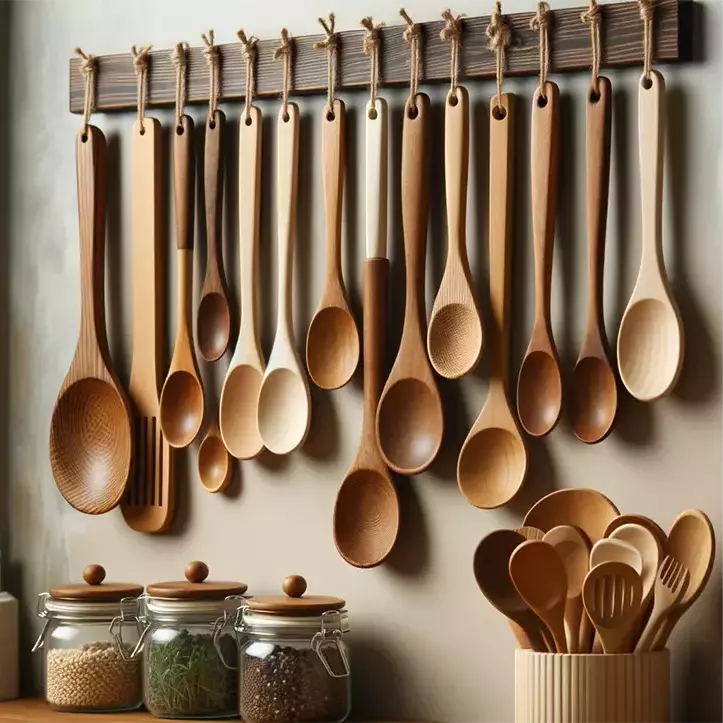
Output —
(650, 342)
(491, 570)
(182, 402)
(539, 385)
(454, 337)
(284, 409)
(332, 343)
(410, 422)
(607, 550)
(539, 576)
(594, 393)
(213, 326)
(493, 461)
(91, 430)
(650, 525)
(240, 394)
(214, 461)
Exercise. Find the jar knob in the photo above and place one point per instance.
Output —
(294, 585)
(196, 571)
(94, 574)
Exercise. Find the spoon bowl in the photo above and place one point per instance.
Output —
(332, 347)
(454, 340)
(594, 398)
(214, 461)
(237, 411)
(653, 527)
(214, 325)
(539, 392)
(182, 408)
(284, 411)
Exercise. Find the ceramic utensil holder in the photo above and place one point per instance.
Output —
(553, 688)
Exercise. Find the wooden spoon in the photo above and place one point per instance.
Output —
(332, 343)
(182, 402)
(539, 385)
(650, 342)
(607, 550)
(149, 503)
(594, 393)
(214, 313)
(454, 337)
(491, 570)
(493, 461)
(91, 430)
(573, 547)
(647, 545)
(240, 394)
(214, 461)
(656, 530)
(530, 533)
(410, 421)
(539, 576)
(284, 409)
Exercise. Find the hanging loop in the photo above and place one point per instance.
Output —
(140, 65)
(591, 17)
(646, 14)
(88, 68)
(452, 33)
(180, 60)
(371, 48)
(213, 59)
(413, 36)
(329, 44)
(249, 46)
(541, 23)
(498, 40)
(285, 52)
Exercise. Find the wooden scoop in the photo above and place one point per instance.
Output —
(608, 550)
(214, 461)
(410, 421)
(240, 394)
(454, 337)
(182, 402)
(149, 503)
(91, 430)
(594, 393)
(284, 410)
(332, 343)
(493, 461)
(539, 385)
(214, 313)
(653, 527)
(650, 342)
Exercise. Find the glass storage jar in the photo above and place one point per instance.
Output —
(293, 661)
(88, 664)
(189, 646)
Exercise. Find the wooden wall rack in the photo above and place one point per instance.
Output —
(622, 43)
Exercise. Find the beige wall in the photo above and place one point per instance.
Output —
(425, 643)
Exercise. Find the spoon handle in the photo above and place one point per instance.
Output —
(332, 163)
(456, 167)
(183, 186)
(377, 151)
(213, 185)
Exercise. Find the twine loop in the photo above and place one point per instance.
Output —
(249, 47)
(452, 33)
(591, 17)
(371, 48)
(140, 66)
(541, 23)
(213, 60)
(329, 44)
(498, 40)
(88, 69)
(285, 52)
(180, 61)
(646, 15)
(412, 35)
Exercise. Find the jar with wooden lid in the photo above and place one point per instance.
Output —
(90, 631)
(189, 646)
(293, 660)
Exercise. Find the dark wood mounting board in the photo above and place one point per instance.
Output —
(622, 44)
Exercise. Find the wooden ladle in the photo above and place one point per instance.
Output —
(650, 342)
(539, 384)
(332, 342)
(493, 461)
(214, 461)
(594, 392)
(410, 422)
(240, 394)
(91, 430)
(214, 313)
(182, 402)
(454, 337)
(284, 410)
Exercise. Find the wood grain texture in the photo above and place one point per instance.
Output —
(214, 461)
(622, 44)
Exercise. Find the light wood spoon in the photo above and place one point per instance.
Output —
(182, 401)
(607, 550)
(653, 527)
(454, 336)
(539, 384)
(531, 533)
(213, 326)
(91, 430)
(594, 392)
(539, 576)
(284, 410)
(493, 461)
(573, 547)
(240, 394)
(650, 342)
(650, 552)
(214, 461)
(410, 422)
(332, 342)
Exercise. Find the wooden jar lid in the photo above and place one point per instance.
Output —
(94, 589)
(195, 586)
(293, 602)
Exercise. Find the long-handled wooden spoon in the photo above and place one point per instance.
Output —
(493, 461)
(454, 337)
(332, 342)
(214, 461)
(410, 422)
(650, 342)
(366, 514)
(650, 553)
(182, 402)
(214, 313)
(91, 430)
(539, 385)
(149, 503)
(594, 393)
(284, 410)
(240, 394)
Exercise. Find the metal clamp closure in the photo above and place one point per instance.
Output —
(116, 626)
(330, 637)
(219, 625)
(42, 612)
